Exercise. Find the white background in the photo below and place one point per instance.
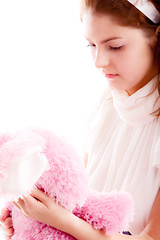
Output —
(47, 78)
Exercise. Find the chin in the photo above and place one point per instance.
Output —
(116, 87)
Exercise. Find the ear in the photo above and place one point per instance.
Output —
(154, 38)
(157, 31)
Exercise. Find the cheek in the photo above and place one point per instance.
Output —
(121, 63)
(129, 63)
(141, 58)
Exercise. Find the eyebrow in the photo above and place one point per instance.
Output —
(106, 40)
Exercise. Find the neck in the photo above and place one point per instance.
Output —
(144, 81)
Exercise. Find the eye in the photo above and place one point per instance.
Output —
(91, 45)
(115, 48)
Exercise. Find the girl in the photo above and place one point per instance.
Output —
(124, 137)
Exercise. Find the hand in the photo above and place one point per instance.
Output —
(6, 223)
(40, 207)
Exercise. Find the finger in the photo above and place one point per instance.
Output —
(7, 238)
(32, 202)
(8, 223)
(8, 231)
(29, 200)
(41, 196)
(4, 214)
(16, 205)
(20, 203)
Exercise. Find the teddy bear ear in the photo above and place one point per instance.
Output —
(23, 173)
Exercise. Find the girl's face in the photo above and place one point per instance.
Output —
(123, 54)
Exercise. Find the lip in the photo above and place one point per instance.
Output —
(111, 75)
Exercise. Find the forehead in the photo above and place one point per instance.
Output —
(97, 27)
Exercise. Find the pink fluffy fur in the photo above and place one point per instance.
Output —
(67, 181)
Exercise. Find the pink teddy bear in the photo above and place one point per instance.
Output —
(38, 158)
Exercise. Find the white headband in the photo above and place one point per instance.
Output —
(147, 8)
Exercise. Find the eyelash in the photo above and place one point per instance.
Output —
(91, 45)
(111, 48)
(115, 48)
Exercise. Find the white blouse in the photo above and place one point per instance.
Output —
(124, 148)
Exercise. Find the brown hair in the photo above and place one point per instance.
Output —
(128, 15)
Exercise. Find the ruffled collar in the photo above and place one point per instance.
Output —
(137, 108)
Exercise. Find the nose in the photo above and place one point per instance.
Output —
(102, 59)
